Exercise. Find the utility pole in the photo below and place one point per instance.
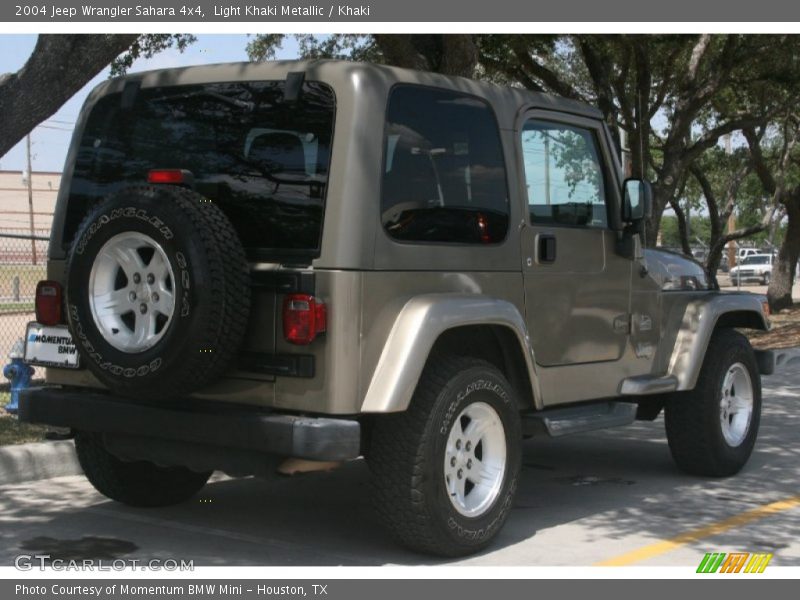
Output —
(547, 168)
(30, 197)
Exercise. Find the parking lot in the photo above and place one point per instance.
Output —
(613, 496)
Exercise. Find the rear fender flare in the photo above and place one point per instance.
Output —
(415, 331)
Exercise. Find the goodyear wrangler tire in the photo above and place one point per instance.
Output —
(712, 429)
(158, 292)
(445, 471)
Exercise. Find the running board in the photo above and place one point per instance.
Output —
(579, 419)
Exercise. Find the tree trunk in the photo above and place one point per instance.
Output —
(714, 259)
(399, 50)
(662, 194)
(683, 227)
(779, 293)
(453, 54)
(59, 66)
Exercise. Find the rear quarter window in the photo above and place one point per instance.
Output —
(444, 174)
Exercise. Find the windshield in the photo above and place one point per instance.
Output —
(263, 159)
(756, 260)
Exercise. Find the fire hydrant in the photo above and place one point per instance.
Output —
(18, 373)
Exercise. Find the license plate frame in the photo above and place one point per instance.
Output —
(50, 346)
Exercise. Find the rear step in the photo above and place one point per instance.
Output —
(579, 419)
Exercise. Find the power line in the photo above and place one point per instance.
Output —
(54, 127)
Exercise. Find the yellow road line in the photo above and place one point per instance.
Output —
(695, 535)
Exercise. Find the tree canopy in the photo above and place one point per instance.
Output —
(59, 66)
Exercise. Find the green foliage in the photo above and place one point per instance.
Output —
(674, 95)
(338, 46)
(147, 46)
(699, 231)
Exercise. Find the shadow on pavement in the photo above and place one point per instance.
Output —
(610, 485)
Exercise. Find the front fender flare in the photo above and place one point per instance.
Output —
(701, 316)
(418, 325)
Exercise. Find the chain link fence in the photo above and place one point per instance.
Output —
(23, 260)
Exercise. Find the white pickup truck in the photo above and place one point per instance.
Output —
(756, 267)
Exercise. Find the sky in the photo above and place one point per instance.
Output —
(49, 141)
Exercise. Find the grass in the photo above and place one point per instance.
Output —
(14, 432)
(31, 271)
(16, 307)
(29, 276)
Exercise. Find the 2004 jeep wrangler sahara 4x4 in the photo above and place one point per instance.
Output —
(327, 260)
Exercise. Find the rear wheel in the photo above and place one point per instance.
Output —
(712, 429)
(137, 483)
(445, 471)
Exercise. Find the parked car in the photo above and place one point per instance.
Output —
(326, 260)
(743, 253)
(753, 268)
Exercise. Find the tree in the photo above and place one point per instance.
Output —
(671, 236)
(776, 161)
(453, 54)
(59, 66)
(698, 87)
(721, 178)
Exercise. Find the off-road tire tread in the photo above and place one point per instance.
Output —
(397, 459)
(230, 295)
(687, 413)
(140, 483)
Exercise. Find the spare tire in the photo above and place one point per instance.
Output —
(158, 291)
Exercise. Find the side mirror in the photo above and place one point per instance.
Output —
(638, 200)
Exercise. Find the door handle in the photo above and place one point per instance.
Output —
(546, 248)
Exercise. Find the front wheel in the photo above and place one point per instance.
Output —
(767, 278)
(712, 429)
(445, 471)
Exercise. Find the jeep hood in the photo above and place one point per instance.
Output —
(675, 272)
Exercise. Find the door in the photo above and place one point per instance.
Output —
(577, 289)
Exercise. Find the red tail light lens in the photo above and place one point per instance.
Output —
(169, 176)
(304, 317)
(48, 302)
(483, 230)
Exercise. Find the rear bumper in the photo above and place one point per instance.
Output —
(211, 424)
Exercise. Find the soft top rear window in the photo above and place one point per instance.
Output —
(263, 158)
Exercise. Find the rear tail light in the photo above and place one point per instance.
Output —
(48, 302)
(483, 230)
(304, 316)
(168, 176)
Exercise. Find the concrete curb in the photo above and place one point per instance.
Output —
(786, 357)
(39, 460)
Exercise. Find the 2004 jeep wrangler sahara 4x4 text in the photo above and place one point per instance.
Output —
(327, 260)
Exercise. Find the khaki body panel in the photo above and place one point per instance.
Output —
(377, 289)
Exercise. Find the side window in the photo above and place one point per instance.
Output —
(563, 175)
(444, 175)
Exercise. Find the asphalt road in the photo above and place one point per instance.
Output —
(725, 284)
(608, 496)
